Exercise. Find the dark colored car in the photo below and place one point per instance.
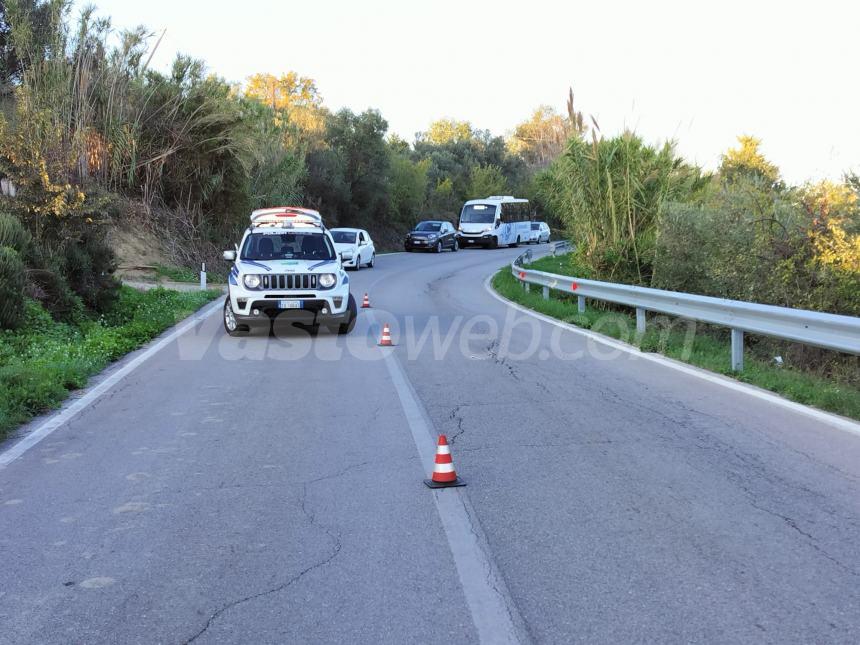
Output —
(431, 235)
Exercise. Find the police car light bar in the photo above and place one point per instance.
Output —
(286, 216)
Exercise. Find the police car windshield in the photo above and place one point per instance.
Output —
(287, 246)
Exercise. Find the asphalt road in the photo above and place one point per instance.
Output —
(269, 490)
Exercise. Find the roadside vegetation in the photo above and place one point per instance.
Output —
(177, 274)
(639, 214)
(92, 139)
(42, 361)
(708, 348)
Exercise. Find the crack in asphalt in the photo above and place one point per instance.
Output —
(455, 416)
(493, 351)
(337, 545)
(810, 540)
(434, 285)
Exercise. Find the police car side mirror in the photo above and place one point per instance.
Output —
(230, 256)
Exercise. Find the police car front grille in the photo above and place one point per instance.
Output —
(290, 281)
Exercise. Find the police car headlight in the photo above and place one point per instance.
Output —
(252, 281)
(327, 280)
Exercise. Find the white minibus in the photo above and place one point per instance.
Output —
(498, 220)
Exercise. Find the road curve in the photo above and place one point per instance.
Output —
(268, 490)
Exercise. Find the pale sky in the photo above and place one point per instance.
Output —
(700, 73)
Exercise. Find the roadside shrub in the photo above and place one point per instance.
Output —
(610, 193)
(13, 234)
(46, 284)
(11, 288)
(89, 267)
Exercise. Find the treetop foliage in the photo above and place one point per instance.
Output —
(747, 160)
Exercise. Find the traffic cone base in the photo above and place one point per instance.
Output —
(457, 482)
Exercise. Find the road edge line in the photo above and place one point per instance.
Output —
(833, 420)
(90, 395)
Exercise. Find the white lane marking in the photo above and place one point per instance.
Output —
(493, 613)
(65, 415)
(819, 415)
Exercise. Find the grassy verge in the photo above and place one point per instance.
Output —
(184, 274)
(44, 360)
(708, 348)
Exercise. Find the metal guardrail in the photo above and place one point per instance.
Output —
(830, 331)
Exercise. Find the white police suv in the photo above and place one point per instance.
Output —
(287, 266)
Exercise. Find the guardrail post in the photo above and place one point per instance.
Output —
(545, 291)
(580, 304)
(203, 277)
(526, 286)
(737, 350)
(640, 321)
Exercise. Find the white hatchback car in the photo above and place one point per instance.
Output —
(354, 246)
(539, 233)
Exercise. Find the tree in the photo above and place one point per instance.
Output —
(442, 200)
(294, 96)
(452, 162)
(349, 180)
(39, 17)
(448, 131)
(408, 187)
(485, 181)
(542, 138)
(747, 161)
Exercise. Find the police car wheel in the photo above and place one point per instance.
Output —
(349, 325)
(358, 263)
(372, 258)
(231, 326)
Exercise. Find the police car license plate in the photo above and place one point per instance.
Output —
(289, 304)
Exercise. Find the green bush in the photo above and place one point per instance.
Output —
(49, 287)
(11, 288)
(13, 234)
(88, 268)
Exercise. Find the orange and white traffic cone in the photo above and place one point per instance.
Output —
(385, 341)
(365, 304)
(444, 474)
